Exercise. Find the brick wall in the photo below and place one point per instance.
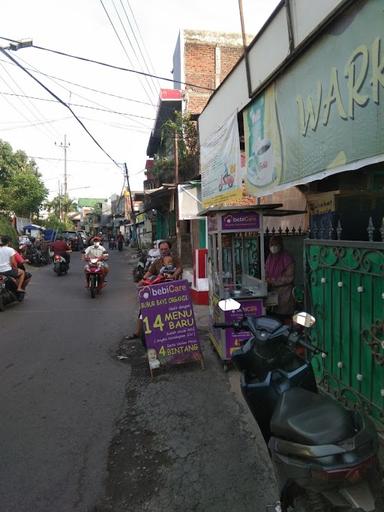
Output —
(200, 69)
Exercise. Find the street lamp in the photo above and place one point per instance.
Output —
(23, 43)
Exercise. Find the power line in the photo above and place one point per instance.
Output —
(26, 106)
(78, 85)
(78, 105)
(152, 81)
(62, 102)
(142, 40)
(122, 45)
(120, 68)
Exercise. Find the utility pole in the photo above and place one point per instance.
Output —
(176, 197)
(133, 216)
(64, 146)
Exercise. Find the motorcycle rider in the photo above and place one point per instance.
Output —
(8, 264)
(98, 251)
(61, 248)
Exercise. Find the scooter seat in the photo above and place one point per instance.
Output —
(309, 418)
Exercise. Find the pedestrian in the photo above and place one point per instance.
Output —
(280, 275)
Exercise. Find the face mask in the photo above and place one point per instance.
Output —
(274, 249)
(97, 244)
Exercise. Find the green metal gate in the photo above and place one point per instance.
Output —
(345, 292)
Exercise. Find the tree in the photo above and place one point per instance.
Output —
(22, 191)
(184, 128)
(61, 205)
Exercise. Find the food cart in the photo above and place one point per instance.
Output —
(236, 269)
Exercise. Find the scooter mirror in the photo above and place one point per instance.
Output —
(304, 319)
(229, 305)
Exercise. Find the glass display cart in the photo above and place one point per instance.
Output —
(236, 270)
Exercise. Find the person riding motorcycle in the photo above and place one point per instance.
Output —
(61, 248)
(8, 264)
(98, 251)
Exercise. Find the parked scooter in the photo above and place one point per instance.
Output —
(324, 455)
(94, 273)
(140, 269)
(60, 265)
(8, 292)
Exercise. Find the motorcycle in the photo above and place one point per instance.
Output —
(94, 273)
(112, 243)
(8, 292)
(140, 269)
(120, 244)
(324, 455)
(60, 265)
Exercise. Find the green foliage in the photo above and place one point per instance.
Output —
(54, 222)
(6, 228)
(21, 189)
(184, 129)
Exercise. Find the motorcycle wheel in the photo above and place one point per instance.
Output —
(2, 305)
(309, 502)
(92, 286)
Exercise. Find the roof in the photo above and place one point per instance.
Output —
(90, 202)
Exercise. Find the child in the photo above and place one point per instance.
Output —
(168, 268)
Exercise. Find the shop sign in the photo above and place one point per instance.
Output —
(169, 324)
(240, 220)
(221, 179)
(325, 114)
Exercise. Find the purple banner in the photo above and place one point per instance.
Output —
(240, 220)
(169, 324)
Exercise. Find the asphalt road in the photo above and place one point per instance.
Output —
(84, 428)
(62, 389)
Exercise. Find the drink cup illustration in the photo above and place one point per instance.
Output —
(261, 170)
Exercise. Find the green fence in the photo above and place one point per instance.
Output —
(345, 292)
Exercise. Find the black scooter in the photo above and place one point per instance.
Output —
(8, 292)
(325, 456)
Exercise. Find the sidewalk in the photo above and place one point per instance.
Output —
(186, 441)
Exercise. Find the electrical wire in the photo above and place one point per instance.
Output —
(147, 68)
(78, 85)
(26, 107)
(62, 102)
(120, 68)
(152, 67)
(87, 99)
(123, 47)
(149, 80)
(125, 114)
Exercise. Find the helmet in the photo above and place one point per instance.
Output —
(96, 239)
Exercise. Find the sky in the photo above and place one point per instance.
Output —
(117, 108)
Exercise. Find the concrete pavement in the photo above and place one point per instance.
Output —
(186, 441)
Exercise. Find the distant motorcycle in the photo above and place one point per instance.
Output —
(94, 273)
(60, 265)
(8, 292)
(112, 243)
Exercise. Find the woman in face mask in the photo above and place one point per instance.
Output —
(280, 275)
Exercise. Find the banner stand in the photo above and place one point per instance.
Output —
(169, 325)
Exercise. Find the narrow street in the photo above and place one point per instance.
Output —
(84, 429)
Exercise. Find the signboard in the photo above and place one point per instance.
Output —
(325, 114)
(221, 165)
(249, 221)
(169, 324)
